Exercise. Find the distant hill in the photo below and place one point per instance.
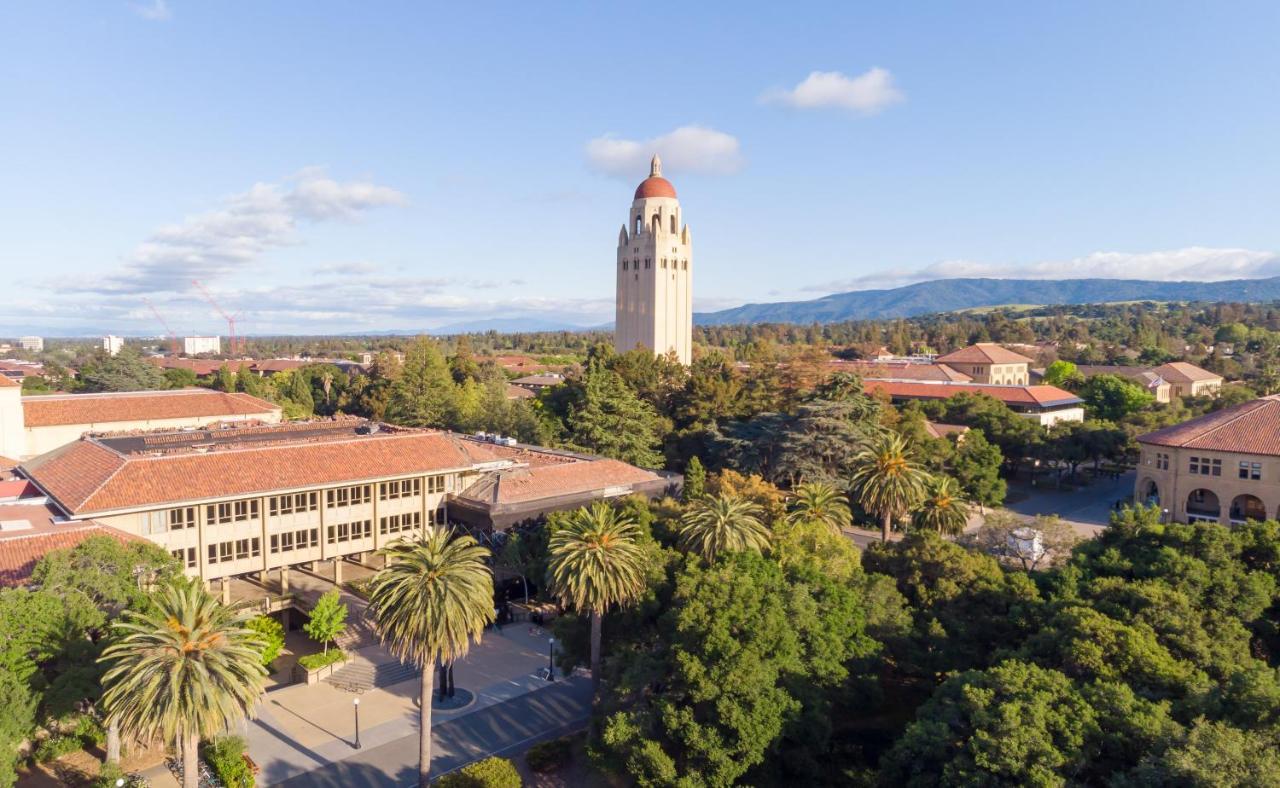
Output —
(949, 295)
(505, 325)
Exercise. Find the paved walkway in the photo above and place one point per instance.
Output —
(1087, 509)
(302, 729)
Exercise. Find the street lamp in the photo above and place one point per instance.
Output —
(119, 782)
(551, 659)
(355, 705)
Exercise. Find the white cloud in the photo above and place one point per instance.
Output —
(217, 242)
(694, 149)
(1195, 263)
(156, 10)
(867, 93)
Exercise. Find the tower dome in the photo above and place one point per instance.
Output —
(655, 185)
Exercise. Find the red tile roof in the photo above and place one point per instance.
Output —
(1248, 428)
(200, 366)
(516, 392)
(984, 353)
(20, 551)
(655, 186)
(1182, 372)
(87, 477)
(1038, 396)
(104, 409)
(899, 370)
(5, 382)
(548, 481)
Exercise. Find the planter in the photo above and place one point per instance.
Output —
(307, 676)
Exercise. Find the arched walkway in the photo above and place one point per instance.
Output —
(1203, 506)
(1148, 492)
(1247, 507)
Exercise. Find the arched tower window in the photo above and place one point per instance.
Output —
(657, 223)
(673, 224)
(639, 226)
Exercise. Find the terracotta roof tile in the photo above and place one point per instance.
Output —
(5, 382)
(103, 409)
(582, 476)
(1041, 396)
(899, 370)
(984, 353)
(1182, 372)
(655, 186)
(1248, 428)
(20, 551)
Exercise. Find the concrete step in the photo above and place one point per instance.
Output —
(360, 675)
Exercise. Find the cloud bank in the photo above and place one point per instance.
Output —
(866, 94)
(691, 149)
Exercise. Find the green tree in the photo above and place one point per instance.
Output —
(489, 773)
(975, 465)
(819, 502)
(725, 523)
(271, 633)
(608, 418)
(249, 383)
(942, 510)
(125, 371)
(17, 718)
(1214, 754)
(178, 378)
(596, 563)
(1062, 373)
(184, 670)
(424, 394)
(433, 598)
(695, 480)
(1232, 333)
(224, 379)
(328, 619)
(887, 479)
(1112, 397)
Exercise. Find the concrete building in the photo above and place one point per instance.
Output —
(33, 344)
(33, 425)
(987, 362)
(194, 346)
(1222, 467)
(1046, 405)
(112, 345)
(254, 500)
(655, 275)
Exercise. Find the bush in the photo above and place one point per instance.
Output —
(489, 773)
(90, 731)
(111, 772)
(57, 746)
(272, 634)
(549, 756)
(225, 757)
(314, 661)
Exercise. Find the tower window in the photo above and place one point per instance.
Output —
(685, 266)
(673, 222)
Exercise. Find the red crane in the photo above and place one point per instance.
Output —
(173, 338)
(236, 346)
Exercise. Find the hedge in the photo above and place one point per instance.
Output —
(314, 661)
(489, 773)
(548, 756)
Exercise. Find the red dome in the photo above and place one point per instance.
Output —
(655, 186)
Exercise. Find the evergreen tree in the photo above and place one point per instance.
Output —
(423, 395)
(609, 419)
(695, 480)
(224, 380)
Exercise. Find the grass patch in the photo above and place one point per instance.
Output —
(321, 660)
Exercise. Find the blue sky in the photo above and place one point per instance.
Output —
(345, 167)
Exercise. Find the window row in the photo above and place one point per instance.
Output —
(295, 540)
(349, 496)
(402, 488)
(1162, 461)
(186, 557)
(435, 484)
(170, 520)
(1205, 466)
(231, 512)
(394, 524)
(235, 550)
(291, 504)
(676, 265)
(347, 532)
(1251, 471)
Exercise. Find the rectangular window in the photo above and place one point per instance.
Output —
(231, 512)
(1162, 461)
(1251, 471)
(435, 484)
(186, 557)
(290, 504)
(1205, 466)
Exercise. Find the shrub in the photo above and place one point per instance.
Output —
(57, 746)
(551, 755)
(314, 661)
(225, 757)
(111, 772)
(489, 773)
(272, 634)
(89, 731)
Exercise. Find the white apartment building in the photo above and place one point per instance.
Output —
(112, 344)
(33, 344)
(194, 346)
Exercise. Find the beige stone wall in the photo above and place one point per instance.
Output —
(1175, 484)
(654, 305)
(13, 440)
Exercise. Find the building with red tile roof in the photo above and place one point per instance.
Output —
(29, 531)
(1223, 466)
(1188, 380)
(1048, 405)
(987, 362)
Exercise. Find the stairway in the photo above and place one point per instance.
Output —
(359, 632)
(361, 675)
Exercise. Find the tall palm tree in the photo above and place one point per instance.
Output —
(819, 502)
(723, 523)
(186, 669)
(942, 510)
(887, 479)
(597, 562)
(430, 602)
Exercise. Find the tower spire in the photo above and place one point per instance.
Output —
(655, 167)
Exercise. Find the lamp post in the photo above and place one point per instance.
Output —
(355, 705)
(551, 659)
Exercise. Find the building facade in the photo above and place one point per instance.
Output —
(32, 344)
(654, 263)
(1046, 405)
(112, 344)
(1188, 380)
(987, 362)
(194, 346)
(1223, 467)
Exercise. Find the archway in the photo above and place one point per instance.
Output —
(1247, 507)
(1203, 506)
(1148, 492)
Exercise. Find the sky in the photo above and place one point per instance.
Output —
(337, 167)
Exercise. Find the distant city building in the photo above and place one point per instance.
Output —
(1222, 467)
(112, 345)
(194, 346)
(654, 307)
(33, 344)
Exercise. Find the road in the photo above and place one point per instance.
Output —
(557, 710)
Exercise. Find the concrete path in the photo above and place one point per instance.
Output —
(1087, 509)
(551, 711)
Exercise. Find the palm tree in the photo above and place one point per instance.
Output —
(723, 523)
(597, 562)
(430, 602)
(186, 669)
(886, 479)
(819, 502)
(943, 510)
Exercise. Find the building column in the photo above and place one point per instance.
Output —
(337, 570)
(284, 579)
(284, 619)
(264, 575)
(226, 590)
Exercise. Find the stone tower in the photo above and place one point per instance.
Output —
(655, 272)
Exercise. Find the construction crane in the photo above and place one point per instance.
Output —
(235, 347)
(173, 338)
